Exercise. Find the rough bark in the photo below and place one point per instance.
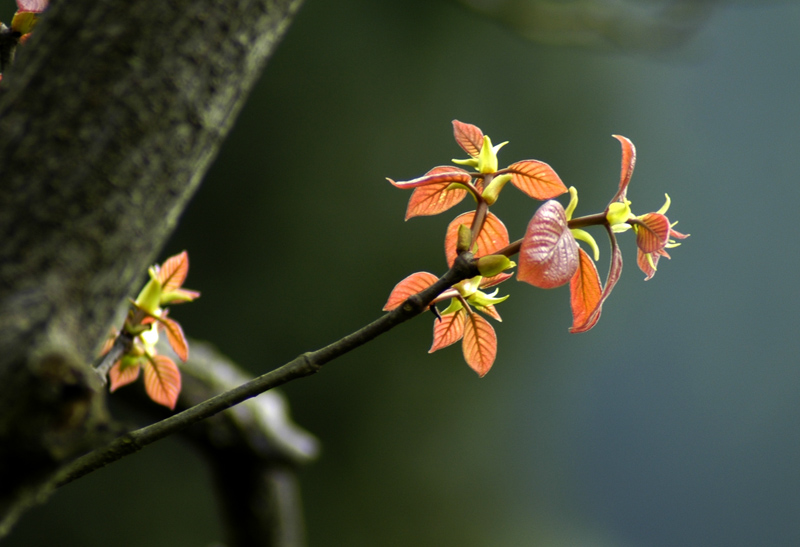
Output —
(108, 121)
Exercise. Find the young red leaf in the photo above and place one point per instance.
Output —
(585, 291)
(548, 256)
(118, 376)
(536, 179)
(480, 343)
(175, 337)
(437, 175)
(614, 273)
(491, 311)
(33, 6)
(162, 380)
(409, 286)
(652, 232)
(628, 162)
(492, 238)
(172, 272)
(109, 342)
(435, 195)
(469, 137)
(644, 264)
(487, 282)
(448, 331)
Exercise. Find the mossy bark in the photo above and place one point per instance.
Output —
(109, 119)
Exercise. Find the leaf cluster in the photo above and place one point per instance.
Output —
(147, 317)
(549, 253)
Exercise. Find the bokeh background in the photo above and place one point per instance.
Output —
(675, 422)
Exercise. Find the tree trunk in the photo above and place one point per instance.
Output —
(108, 121)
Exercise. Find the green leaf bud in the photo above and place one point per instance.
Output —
(150, 296)
(618, 212)
(492, 191)
(493, 265)
(464, 240)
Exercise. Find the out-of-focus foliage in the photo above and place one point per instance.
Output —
(645, 25)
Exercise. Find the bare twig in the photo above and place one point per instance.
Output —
(304, 365)
(253, 450)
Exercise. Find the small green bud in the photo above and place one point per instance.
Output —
(464, 241)
(471, 162)
(481, 299)
(492, 191)
(618, 212)
(493, 265)
(487, 159)
(150, 296)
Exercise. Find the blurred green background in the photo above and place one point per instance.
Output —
(676, 421)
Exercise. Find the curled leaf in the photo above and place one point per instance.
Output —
(628, 163)
(409, 286)
(652, 232)
(437, 175)
(480, 343)
(436, 191)
(548, 256)
(614, 273)
(487, 282)
(536, 179)
(585, 292)
(649, 263)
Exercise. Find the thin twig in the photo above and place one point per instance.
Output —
(122, 344)
(304, 365)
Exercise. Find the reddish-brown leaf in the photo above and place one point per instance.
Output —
(614, 273)
(492, 238)
(487, 282)
(644, 264)
(118, 376)
(585, 291)
(437, 175)
(628, 163)
(32, 6)
(162, 380)
(480, 343)
(409, 286)
(173, 272)
(432, 198)
(536, 179)
(109, 342)
(469, 137)
(548, 256)
(491, 311)
(175, 337)
(652, 232)
(448, 331)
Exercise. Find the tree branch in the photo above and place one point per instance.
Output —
(109, 119)
(304, 365)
